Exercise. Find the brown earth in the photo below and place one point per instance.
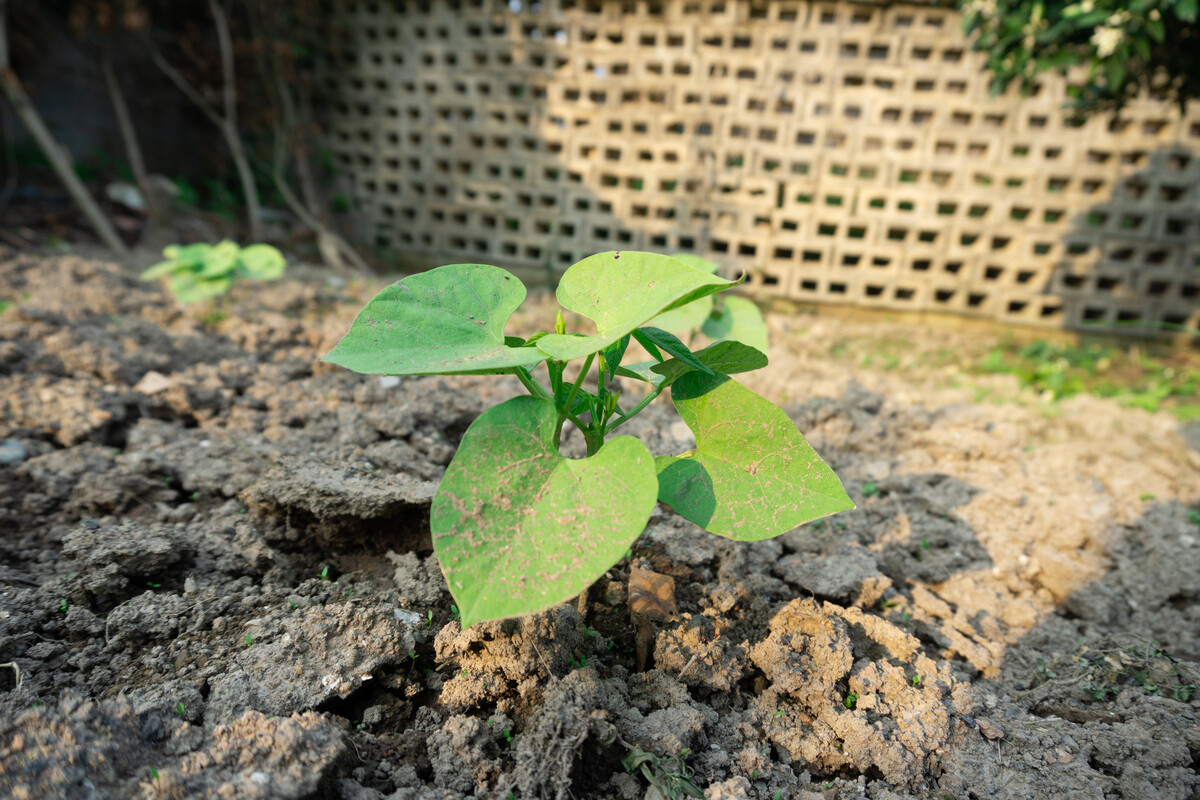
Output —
(216, 579)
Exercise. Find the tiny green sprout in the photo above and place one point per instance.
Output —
(869, 489)
(1146, 496)
(153, 773)
(926, 544)
(201, 271)
(413, 655)
(466, 672)
(778, 794)
(62, 605)
(429, 619)
(349, 592)
(194, 495)
(851, 700)
(179, 708)
(780, 714)
(293, 603)
(916, 680)
(890, 603)
(830, 784)
(454, 615)
(153, 585)
(324, 574)
(906, 619)
(249, 639)
(507, 735)
(511, 506)
(1194, 517)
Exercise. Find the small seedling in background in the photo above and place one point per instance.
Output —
(153, 585)
(324, 574)
(1146, 496)
(62, 605)
(153, 773)
(293, 603)
(507, 736)
(511, 508)
(201, 271)
(454, 615)
(429, 619)
(850, 701)
(869, 489)
(1194, 517)
(179, 709)
(916, 680)
(249, 639)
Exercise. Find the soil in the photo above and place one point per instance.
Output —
(216, 578)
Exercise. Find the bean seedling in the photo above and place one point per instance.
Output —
(199, 271)
(517, 526)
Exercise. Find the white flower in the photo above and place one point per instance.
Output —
(1086, 6)
(1106, 40)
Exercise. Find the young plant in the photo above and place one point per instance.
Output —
(199, 271)
(517, 526)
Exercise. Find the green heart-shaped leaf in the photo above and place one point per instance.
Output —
(262, 262)
(752, 475)
(727, 358)
(518, 528)
(739, 321)
(621, 291)
(219, 262)
(691, 316)
(189, 288)
(449, 320)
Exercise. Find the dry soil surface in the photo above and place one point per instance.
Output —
(216, 580)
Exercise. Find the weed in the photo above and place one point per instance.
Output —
(579, 663)
(507, 736)
(62, 605)
(324, 574)
(916, 680)
(153, 773)
(429, 619)
(249, 640)
(672, 777)
(851, 701)
(179, 709)
(153, 585)
(510, 504)
(869, 489)
(1146, 496)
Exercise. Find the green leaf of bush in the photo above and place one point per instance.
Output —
(190, 288)
(691, 316)
(726, 358)
(752, 475)
(518, 528)
(262, 262)
(739, 321)
(620, 291)
(449, 320)
(656, 339)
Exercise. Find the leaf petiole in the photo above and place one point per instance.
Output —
(530, 383)
(621, 420)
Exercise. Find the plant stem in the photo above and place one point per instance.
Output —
(527, 380)
(634, 411)
(564, 413)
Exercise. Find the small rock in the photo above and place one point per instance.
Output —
(12, 452)
(389, 381)
(153, 383)
(990, 729)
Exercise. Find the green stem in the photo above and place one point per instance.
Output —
(634, 411)
(528, 381)
(587, 364)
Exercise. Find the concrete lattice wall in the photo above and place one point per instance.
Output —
(841, 152)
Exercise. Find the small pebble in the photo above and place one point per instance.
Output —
(389, 381)
(12, 452)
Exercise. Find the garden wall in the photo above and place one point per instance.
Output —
(841, 152)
